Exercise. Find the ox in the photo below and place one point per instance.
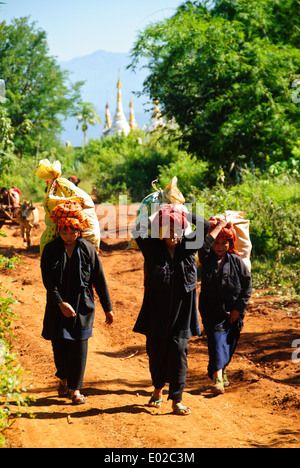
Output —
(28, 217)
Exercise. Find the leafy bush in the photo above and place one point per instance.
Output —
(19, 173)
(9, 262)
(11, 391)
(190, 171)
(6, 130)
(129, 165)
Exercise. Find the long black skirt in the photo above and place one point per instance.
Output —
(168, 364)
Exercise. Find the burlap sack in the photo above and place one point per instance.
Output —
(151, 203)
(242, 226)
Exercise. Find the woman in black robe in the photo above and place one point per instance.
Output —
(226, 288)
(71, 270)
(168, 316)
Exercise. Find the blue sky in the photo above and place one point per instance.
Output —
(80, 27)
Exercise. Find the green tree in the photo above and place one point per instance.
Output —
(278, 20)
(38, 93)
(6, 130)
(225, 79)
(86, 114)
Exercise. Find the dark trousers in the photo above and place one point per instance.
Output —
(70, 361)
(168, 364)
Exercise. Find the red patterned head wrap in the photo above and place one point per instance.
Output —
(228, 233)
(171, 216)
(69, 214)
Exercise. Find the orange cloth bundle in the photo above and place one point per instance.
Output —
(69, 214)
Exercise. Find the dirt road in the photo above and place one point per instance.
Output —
(260, 408)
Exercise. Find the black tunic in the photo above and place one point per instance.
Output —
(72, 280)
(169, 306)
(223, 290)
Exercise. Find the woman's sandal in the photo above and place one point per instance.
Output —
(155, 403)
(183, 411)
(79, 399)
(63, 391)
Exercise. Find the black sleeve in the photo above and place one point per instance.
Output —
(99, 283)
(246, 283)
(195, 240)
(205, 250)
(46, 265)
(199, 221)
(144, 240)
(140, 231)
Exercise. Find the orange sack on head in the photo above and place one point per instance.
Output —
(69, 214)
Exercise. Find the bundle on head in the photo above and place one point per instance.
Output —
(69, 214)
(171, 219)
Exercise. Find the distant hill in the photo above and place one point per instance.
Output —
(100, 71)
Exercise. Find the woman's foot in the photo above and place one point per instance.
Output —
(63, 389)
(218, 388)
(225, 378)
(156, 399)
(180, 410)
(77, 398)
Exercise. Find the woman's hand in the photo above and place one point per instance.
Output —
(109, 318)
(67, 310)
(222, 221)
(234, 316)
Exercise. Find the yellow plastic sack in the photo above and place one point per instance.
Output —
(60, 190)
(242, 227)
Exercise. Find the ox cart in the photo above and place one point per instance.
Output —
(8, 215)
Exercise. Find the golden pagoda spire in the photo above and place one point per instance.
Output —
(119, 84)
(132, 119)
(108, 121)
(120, 124)
(119, 87)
